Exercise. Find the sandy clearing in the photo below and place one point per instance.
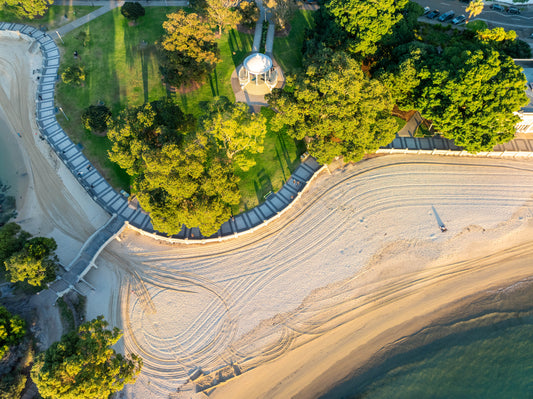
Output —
(55, 205)
(368, 228)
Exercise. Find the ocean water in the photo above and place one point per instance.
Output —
(484, 351)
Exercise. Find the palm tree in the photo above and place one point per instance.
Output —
(474, 8)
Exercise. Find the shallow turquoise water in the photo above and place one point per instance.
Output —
(493, 362)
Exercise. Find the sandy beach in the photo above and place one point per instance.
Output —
(357, 265)
(54, 204)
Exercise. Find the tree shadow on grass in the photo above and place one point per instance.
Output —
(240, 44)
(262, 185)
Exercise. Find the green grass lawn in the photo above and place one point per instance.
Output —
(54, 17)
(122, 70)
(288, 50)
(274, 166)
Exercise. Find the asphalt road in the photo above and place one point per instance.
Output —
(522, 24)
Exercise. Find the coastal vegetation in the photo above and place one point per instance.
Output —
(26, 260)
(83, 364)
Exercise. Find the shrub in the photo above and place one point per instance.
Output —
(73, 75)
(95, 118)
(132, 11)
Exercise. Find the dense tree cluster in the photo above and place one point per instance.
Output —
(180, 175)
(188, 51)
(83, 364)
(340, 110)
(29, 260)
(12, 330)
(249, 13)
(223, 14)
(29, 9)
(281, 12)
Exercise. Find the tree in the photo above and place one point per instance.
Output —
(340, 110)
(240, 133)
(132, 10)
(469, 91)
(223, 14)
(73, 75)
(475, 7)
(36, 264)
(96, 118)
(179, 176)
(249, 13)
(83, 364)
(26, 8)
(12, 240)
(12, 330)
(367, 20)
(188, 51)
(281, 11)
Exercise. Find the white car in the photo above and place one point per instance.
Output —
(426, 10)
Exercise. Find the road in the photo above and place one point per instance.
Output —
(522, 24)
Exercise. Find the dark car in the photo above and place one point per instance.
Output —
(497, 7)
(459, 19)
(513, 10)
(433, 14)
(446, 16)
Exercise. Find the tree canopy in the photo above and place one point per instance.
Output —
(179, 175)
(367, 21)
(340, 110)
(12, 330)
(188, 51)
(29, 260)
(29, 9)
(96, 118)
(240, 133)
(281, 11)
(83, 364)
(223, 13)
(73, 75)
(132, 10)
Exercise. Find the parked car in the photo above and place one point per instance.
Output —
(497, 7)
(459, 19)
(433, 14)
(513, 10)
(446, 16)
(426, 10)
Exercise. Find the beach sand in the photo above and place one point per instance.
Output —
(54, 204)
(358, 264)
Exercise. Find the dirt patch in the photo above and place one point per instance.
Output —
(184, 89)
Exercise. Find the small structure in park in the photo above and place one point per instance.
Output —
(258, 69)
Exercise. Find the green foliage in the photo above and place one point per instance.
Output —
(30, 260)
(83, 364)
(334, 104)
(240, 133)
(188, 51)
(223, 14)
(179, 176)
(476, 25)
(12, 385)
(132, 10)
(12, 240)
(96, 118)
(497, 35)
(281, 12)
(73, 75)
(249, 13)
(12, 330)
(26, 8)
(367, 21)
(66, 315)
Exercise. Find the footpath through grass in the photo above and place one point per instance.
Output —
(55, 16)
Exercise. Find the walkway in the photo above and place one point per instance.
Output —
(106, 6)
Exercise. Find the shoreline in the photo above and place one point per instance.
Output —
(381, 318)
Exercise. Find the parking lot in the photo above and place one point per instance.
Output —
(521, 23)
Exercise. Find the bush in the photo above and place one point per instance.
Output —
(132, 11)
(249, 13)
(73, 75)
(95, 118)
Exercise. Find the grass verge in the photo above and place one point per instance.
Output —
(288, 49)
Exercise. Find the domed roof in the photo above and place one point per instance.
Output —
(257, 63)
